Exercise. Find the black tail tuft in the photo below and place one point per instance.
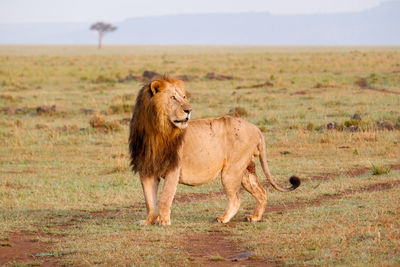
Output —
(295, 181)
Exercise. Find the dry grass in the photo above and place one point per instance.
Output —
(64, 172)
(99, 122)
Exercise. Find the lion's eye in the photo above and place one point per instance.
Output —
(173, 98)
(184, 96)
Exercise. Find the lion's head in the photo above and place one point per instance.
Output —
(158, 124)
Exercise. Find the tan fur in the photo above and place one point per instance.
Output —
(163, 145)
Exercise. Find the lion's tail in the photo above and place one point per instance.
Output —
(294, 180)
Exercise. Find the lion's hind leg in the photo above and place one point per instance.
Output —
(251, 184)
(231, 183)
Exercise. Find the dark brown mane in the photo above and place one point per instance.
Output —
(153, 141)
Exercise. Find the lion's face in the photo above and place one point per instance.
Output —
(170, 100)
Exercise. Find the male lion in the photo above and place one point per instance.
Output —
(164, 144)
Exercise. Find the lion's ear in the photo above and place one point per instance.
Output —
(156, 86)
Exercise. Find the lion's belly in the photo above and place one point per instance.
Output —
(203, 154)
(200, 172)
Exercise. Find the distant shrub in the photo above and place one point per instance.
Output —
(319, 85)
(373, 77)
(310, 126)
(385, 125)
(352, 122)
(355, 125)
(331, 125)
(362, 83)
(356, 116)
(366, 82)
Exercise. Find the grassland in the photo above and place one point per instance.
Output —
(67, 196)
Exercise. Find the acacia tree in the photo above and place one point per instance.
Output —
(102, 28)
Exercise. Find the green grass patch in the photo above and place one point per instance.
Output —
(379, 170)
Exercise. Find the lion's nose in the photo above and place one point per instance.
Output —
(187, 110)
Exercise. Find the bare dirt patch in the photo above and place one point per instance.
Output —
(196, 196)
(386, 91)
(300, 92)
(25, 248)
(363, 84)
(353, 172)
(214, 249)
(137, 207)
(219, 77)
(266, 84)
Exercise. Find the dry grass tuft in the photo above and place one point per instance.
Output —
(217, 258)
(104, 79)
(10, 98)
(238, 112)
(119, 109)
(385, 125)
(99, 122)
(49, 110)
(362, 83)
(124, 97)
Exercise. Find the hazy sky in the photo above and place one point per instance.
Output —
(16, 11)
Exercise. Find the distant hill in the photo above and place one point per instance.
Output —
(376, 26)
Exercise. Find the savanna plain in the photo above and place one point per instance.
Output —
(330, 115)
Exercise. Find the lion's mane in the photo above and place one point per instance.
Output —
(153, 141)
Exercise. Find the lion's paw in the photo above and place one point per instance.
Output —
(162, 222)
(221, 220)
(251, 218)
(144, 223)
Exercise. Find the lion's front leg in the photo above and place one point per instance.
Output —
(150, 188)
(167, 196)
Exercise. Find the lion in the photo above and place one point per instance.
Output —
(165, 143)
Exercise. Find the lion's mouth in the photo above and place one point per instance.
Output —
(181, 121)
